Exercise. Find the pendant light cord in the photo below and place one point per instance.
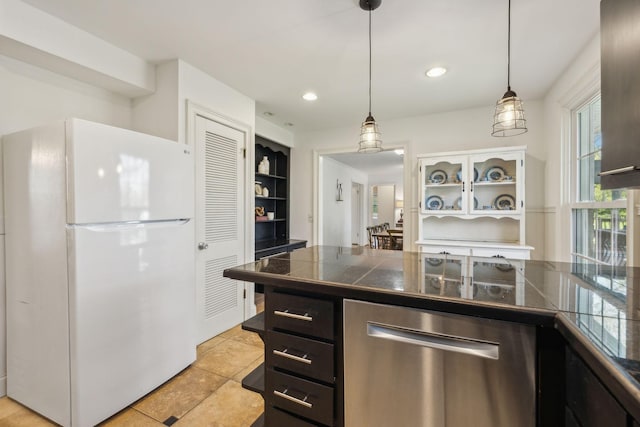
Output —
(509, 49)
(370, 60)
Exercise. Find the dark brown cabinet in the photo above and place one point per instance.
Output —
(620, 62)
(300, 357)
(589, 403)
(299, 380)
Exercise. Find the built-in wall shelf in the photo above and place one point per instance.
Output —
(272, 191)
(272, 235)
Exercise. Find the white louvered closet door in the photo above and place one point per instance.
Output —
(219, 225)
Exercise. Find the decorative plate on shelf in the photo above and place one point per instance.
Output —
(495, 174)
(434, 261)
(505, 202)
(458, 203)
(438, 177)
(434, 203)
(459, 175)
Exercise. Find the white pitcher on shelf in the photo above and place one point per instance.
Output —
(263, 166)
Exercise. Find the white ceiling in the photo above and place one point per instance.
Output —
(273, 51)
(383, 163)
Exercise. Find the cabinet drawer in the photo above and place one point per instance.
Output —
(445, 250)
(307, 316)
(276, 417)
(301, 397)
(590, 402)
(508, 253)
(303, 356)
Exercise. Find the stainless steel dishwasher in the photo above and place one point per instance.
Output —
(414, 368)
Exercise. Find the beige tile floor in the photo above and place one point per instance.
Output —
(208, 393)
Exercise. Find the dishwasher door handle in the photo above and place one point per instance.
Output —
(469, 346)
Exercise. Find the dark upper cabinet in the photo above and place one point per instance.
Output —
(620, 62)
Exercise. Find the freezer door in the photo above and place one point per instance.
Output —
(407, 367)
(119, 175)
(131, 313)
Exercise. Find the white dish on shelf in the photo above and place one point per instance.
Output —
(438, 177)
(434, 203)
(495, 174)
(505, 202)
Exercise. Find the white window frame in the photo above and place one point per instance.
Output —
(574, 203)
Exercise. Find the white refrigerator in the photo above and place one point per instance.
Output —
(99, 267)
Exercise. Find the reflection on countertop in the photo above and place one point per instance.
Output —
(602, 302)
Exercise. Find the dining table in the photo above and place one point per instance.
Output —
(389, 239)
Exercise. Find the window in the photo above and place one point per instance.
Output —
(599, 216)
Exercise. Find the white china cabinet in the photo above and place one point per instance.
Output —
(473, 203)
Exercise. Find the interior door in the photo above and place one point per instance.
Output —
(220, 228)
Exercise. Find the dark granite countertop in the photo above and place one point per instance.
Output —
(596, 308)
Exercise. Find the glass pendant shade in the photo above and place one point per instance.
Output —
(508, 119)
(370, 140)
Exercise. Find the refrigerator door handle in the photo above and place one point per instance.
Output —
(111, 226)
(436, 341)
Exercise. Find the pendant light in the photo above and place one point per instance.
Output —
(370, 141)
(508, 119)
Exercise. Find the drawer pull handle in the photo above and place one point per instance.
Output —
(284, 395)
(285, 353)
(286, 313)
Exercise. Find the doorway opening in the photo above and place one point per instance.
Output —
(377, 189)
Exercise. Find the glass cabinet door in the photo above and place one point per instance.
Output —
(444, 274)
(497, 189)
(497, 280)
(444, 185)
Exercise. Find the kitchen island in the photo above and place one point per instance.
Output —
(585, 322)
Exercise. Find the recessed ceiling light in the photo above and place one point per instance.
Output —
(309, 96)
(436, 72)
(268, 114)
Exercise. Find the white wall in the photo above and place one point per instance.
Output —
(32, 96)
(457, 130)
(163, 113)
(394, 176)
(268, 130)
(200, 88)
(336, 216)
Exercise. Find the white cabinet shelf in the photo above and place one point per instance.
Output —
(476, 197)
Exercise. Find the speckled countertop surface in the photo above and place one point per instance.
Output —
(597, 306)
